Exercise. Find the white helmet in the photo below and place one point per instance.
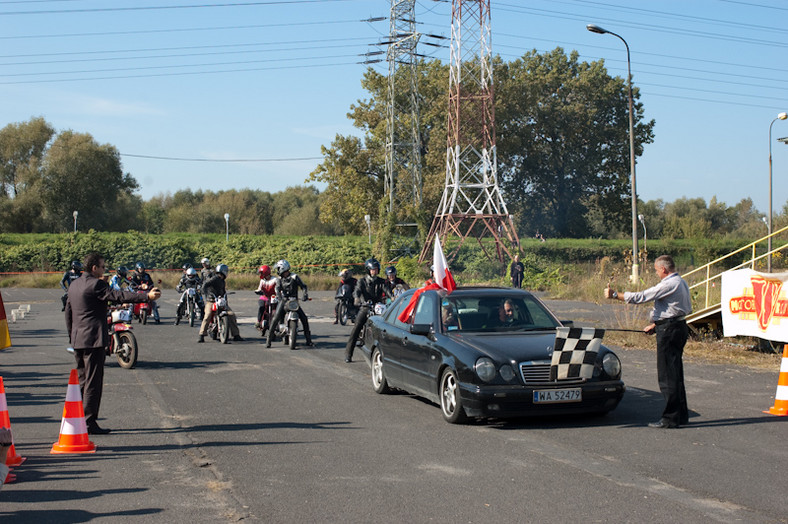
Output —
(205, 261)
(282, 266)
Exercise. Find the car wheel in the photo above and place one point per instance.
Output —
(379, 382)
(451, 403)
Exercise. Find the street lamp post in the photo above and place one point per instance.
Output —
(368, 219)
(227, 227)
(596, 29)
(781, 116)
(75, 220)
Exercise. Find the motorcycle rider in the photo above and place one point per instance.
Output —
(119, 281)
(74, 272)
(211, 289)
(207, 271)
(189, 280)
(345, 278)
(370, 290)
(287, 287)
(392, 281)
(139, 278)
(266, 289)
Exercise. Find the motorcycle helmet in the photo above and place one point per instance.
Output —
(223, 269)
(122, 271)
(191, 273)
(264, 271)
(371, 264)
(205, 262)
(76, 265)
(345, 274)
(282, 266)
(391, 270)
(140, 267)
(186, 267)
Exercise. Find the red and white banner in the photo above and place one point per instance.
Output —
(755, 304)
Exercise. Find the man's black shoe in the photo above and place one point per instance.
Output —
(310, 344)
(237, 338)
(201, 339)
(95, 429)
(661, 424)
(348, 360)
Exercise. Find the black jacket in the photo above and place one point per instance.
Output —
(86, 310)
(213, 287)
(372, 289)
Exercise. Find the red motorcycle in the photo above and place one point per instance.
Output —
(142, 310)
(269, 308)
(122, 342)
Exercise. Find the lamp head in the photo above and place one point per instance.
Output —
(596, 29)
(783, 115)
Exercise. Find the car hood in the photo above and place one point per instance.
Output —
(511, 347)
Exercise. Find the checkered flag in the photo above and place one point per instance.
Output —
(575, 352)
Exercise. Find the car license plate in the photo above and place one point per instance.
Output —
(547, 396)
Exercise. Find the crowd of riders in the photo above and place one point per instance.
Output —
(274, 292)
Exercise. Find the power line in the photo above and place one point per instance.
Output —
(226, 160)
(165, 7)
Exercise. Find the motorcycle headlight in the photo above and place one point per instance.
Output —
(612, 365)
(485, 369)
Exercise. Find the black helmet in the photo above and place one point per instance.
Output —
(122, 271)
(371, 264)
(76, 265)
(186, 266)
(391, 270)
(140, 266)
(223, 269)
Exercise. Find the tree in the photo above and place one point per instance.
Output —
(563, 143)
(80, 174)
(22, 147)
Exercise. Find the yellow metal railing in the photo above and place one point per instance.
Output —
(710, 279)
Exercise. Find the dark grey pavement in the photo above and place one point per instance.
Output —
(222, 433)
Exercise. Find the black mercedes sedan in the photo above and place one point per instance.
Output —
(487, 353)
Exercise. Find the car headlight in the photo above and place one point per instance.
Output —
(612, 365)
(485, 369)
(507, 373)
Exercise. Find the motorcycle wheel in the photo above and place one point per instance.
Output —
(144, 316)
(224, 329)
(292, 326)
(343, 313)
(126, 352)
(191, 313)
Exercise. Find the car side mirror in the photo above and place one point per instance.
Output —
(421, 329)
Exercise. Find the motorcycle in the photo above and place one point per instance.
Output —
(377, 308)
(219, 328)
(346, 308)
(189, 306)
(288, 328)
(122, 342)
(269, 308)
(142, 310)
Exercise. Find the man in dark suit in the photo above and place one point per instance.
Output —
(86, 321)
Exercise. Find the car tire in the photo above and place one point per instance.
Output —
(379, 382)
(451, 402)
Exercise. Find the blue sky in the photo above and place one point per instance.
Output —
(273, 80)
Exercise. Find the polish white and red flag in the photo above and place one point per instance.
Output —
(442, 275)
(441, 279)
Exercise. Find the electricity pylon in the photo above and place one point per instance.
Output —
(472, 204)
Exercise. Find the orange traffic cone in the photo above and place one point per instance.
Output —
(780, 407)
(5, 421)
(73, 430)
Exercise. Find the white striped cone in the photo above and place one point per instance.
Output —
(73, 430)
(780, 407)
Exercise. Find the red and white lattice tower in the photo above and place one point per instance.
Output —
(472, 204)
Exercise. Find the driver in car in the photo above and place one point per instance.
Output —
(449, 316)
(506, 315)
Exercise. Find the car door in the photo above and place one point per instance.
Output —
(390, 340)
(420, 357)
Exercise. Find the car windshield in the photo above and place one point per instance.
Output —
(484, 313)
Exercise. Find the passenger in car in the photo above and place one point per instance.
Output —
(449, 317)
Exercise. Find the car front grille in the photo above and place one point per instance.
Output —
(539, 373)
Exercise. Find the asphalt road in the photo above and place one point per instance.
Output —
(217, 433)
